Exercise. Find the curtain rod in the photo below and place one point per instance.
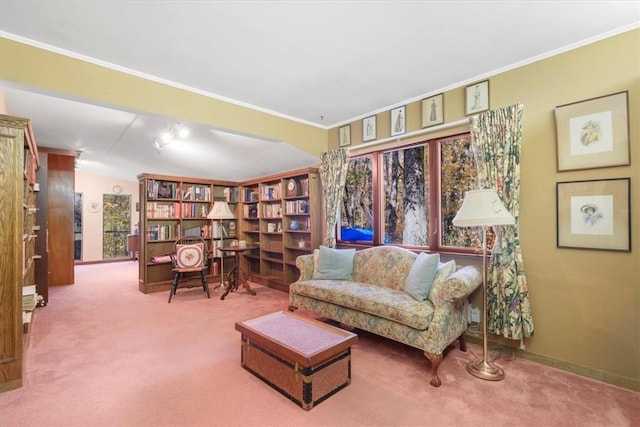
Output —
(410, 134)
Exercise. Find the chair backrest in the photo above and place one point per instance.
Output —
(190, 252)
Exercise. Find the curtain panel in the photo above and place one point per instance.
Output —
(496, 140)
(333, 173)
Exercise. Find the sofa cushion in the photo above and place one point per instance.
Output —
(391, 304)
(421, 275)
(444, 271)
(334, 264)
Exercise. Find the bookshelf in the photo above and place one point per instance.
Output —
(19, 162)
(281, 214)
(171, 207)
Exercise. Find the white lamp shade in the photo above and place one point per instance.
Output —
(220, 210)
(482, 208)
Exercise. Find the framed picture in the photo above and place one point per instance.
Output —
(345, 135)
(369, 129)
(398, 120)
(593, 133)
(594, 214)
(433, 111)
(476, 98)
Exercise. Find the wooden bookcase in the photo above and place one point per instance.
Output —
(281, 214)
(171, 207)
(19, 162)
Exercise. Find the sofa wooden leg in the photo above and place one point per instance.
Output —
(462, 343)
(435, 360)
(292, 308)
(346, 327)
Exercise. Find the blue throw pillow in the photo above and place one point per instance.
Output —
(421, 275)
(334, 264)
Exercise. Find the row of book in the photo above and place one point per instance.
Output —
(176, 210)
(206, 231)
(296, 207)
(271, 192)
(271, 210)
(197, 192)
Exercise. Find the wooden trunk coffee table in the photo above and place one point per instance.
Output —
(304, 359)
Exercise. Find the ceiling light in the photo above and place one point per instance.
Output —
(177, 131)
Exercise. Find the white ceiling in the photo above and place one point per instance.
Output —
(318, 62)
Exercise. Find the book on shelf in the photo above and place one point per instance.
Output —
(304, 187)
(250, 195)
(161, 189)
(231, 194)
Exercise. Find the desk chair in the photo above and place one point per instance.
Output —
(189, 258)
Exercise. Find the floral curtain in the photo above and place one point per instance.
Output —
(496, 139)
(333, 172)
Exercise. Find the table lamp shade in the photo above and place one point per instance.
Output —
(220, 210)
(482, 208)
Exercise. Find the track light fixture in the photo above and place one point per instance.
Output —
(175, 132)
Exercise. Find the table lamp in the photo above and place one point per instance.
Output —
(483, 208)
(220, 211)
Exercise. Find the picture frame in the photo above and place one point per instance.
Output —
(476, 98)
(369, 128)
(398, 121)
(593, 133)
(433, 110)
(594, 214)
(344, 135)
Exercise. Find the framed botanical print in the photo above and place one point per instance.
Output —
(594, 214)
(593, 133)
(433, 111)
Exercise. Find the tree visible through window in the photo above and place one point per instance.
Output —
(116, 226)
(417, 183)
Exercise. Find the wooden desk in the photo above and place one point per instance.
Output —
(235, 276)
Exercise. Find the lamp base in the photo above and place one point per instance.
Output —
(485, 370)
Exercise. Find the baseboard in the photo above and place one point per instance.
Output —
(595, 374)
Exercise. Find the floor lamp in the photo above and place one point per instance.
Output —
(483, 208)
(220, 211)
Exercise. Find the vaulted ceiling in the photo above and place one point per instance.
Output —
(322, 63)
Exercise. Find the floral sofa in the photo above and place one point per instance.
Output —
(374, 299)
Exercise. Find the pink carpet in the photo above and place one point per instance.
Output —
(104, 354)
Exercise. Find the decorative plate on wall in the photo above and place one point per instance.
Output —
(94, 206)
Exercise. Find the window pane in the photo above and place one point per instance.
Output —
(405, 183)
(116, 220)
(356, 212)
(457, 175)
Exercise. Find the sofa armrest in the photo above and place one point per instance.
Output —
(457, 286)
(305, 265)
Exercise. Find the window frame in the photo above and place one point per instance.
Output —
(434, 152)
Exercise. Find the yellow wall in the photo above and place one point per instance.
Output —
(50, 71)
(586, 303)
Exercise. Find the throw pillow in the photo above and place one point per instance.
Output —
(444, 271)
(421, 275)
(334, 264)
(189, 256)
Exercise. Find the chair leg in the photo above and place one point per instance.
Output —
(174, 286)
(205, 285)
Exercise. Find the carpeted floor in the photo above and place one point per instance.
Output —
(104, 354)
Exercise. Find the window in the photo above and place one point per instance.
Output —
(77, 227)
(421, 187)
(116, 220)
(356, 212)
